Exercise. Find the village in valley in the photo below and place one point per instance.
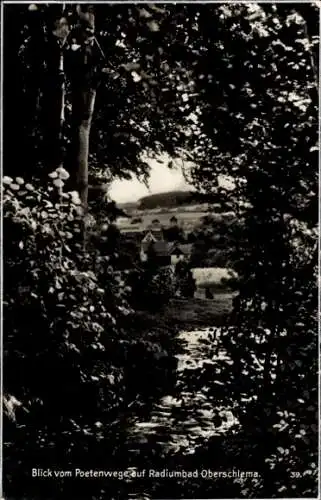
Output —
(165, 245)
(167, 238)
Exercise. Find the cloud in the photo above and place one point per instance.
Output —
(161, 179)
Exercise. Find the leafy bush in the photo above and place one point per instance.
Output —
(136, 220)
(57, 334)
(272, 339)
(67, 336)
(152, 287)
(218, 241)
(185, 282)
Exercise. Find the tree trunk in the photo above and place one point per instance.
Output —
(82, 67)
(83, 103)
(54, 92)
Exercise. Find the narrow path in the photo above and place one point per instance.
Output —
(184, 420)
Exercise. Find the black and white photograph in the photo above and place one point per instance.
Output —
(160, 250)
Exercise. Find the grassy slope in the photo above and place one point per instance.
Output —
(193, 313)
(188, 314)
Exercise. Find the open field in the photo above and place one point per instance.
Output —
(187, 220)
(216, 276)
(190, 313)
(188, 217)
(186, 314)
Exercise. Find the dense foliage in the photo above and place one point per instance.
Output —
(185, 282)
(152, 287)
(217, 241)
(137, 102)
(265, 136)
(71, 342)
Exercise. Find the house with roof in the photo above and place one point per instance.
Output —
(150, 237)
(155, 248)
(179, 252)
(155, 245)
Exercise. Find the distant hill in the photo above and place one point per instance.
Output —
(169, 199)
(130, 205)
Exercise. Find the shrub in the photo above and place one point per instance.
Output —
(185, 282)
(65, 341)
(58, 333)
(152, 287)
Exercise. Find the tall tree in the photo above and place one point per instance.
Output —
(82, 66)
(257, 122)
(139, 99)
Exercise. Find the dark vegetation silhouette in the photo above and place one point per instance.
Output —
(168, 199)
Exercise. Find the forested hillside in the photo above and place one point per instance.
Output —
(169, 199)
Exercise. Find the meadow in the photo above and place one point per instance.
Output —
(211, 276)
(188, 220)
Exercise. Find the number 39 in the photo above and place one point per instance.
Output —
(295, 474)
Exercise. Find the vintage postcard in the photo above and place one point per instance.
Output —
(160, 228)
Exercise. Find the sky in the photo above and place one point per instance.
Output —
(162, 179)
